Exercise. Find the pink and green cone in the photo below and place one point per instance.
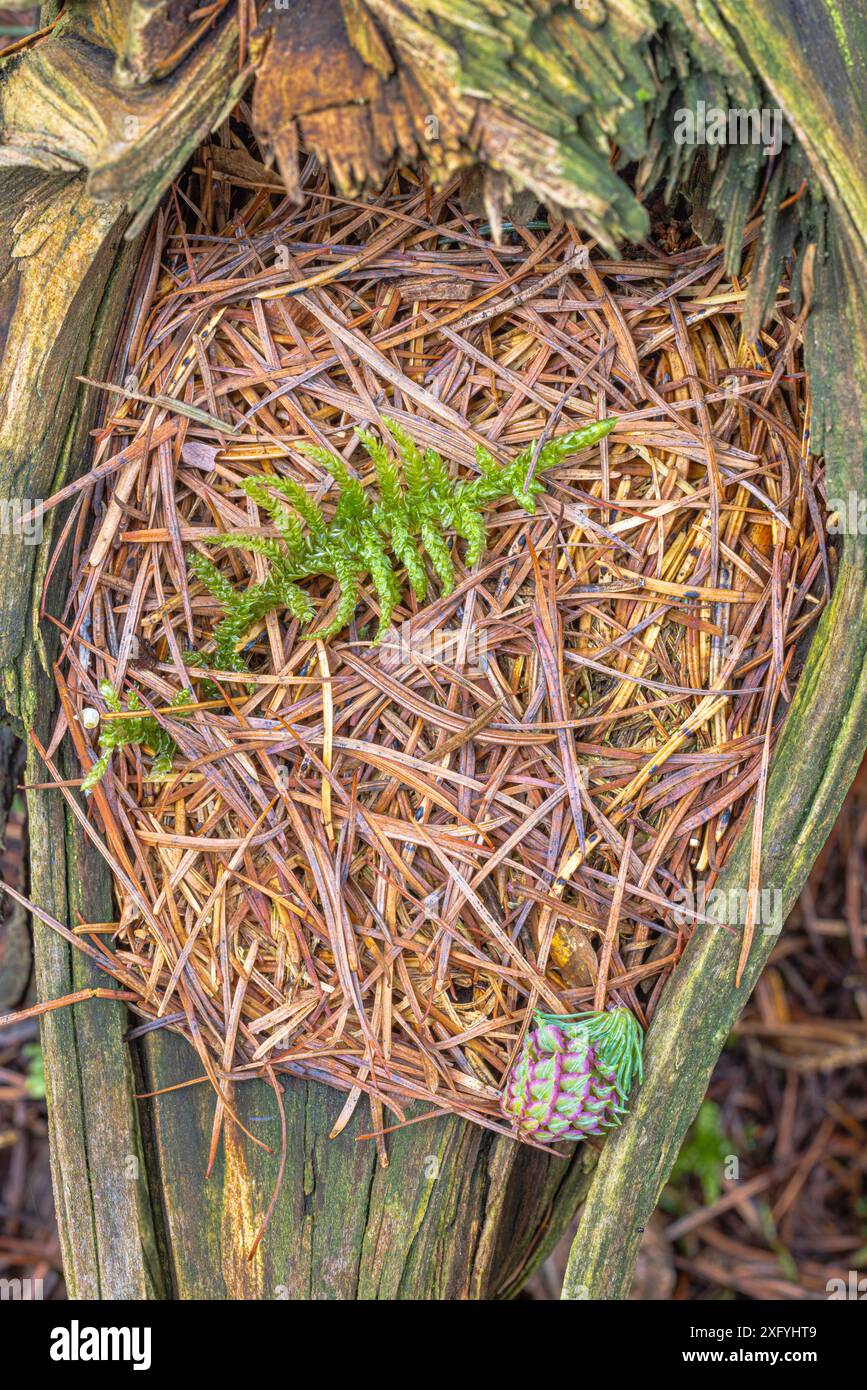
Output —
(573, 1075)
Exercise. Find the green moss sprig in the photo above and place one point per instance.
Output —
(143, 731)
(418, 502)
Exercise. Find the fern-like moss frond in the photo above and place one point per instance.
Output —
(418, 503)
(143, 731)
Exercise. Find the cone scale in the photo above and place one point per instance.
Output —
(573, 1075)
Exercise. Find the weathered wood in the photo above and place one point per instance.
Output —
(457, 1214)
(72, 103)
(65, 275)
(499, 86)
(343, 1227)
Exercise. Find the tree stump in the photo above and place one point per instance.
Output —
(458, 1213)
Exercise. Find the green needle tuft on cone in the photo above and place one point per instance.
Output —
(574, 1074)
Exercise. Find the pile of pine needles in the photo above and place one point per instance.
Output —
(368, 865)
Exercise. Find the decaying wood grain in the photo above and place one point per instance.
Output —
(362, 83)
(67, 105)
(64, 278)
(156, 37)
(457, 1213)
(525, 98)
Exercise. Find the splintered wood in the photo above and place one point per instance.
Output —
(369, 864)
